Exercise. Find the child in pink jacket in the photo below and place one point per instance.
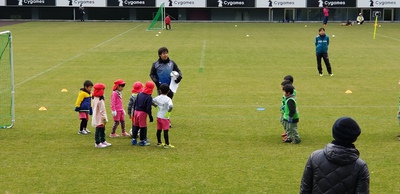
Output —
(99, 118)
(117, 108)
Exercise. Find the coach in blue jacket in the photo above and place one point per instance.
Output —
(321, 44)
(161, 70)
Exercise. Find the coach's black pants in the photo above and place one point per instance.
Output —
(326, 61)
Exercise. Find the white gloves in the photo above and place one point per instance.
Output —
(114, 113)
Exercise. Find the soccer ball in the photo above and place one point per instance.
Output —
(174, 74)
(131, 133)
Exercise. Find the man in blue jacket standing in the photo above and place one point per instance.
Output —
(161, 70)
(321, 44)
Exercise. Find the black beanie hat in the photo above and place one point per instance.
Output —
(346, 129)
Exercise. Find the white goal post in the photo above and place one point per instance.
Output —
(7, 111)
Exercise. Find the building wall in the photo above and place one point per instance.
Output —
(195, 14)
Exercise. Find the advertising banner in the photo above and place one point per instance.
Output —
(32, 2)
(280, 3)
(85, 3)
(378, 4)
(331, 3)
(230, 3)
(182, 3)
(132, 3)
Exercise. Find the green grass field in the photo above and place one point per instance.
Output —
(223, 144)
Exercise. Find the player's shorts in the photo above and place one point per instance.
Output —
(140, 118)
(84, 115)
(162, 124)
(120, 116)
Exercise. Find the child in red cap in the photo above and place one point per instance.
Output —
(117, 109)
(99, 118)
(142, 108)
(137, 87)
(83, 106)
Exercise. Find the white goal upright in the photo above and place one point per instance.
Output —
(7, 112)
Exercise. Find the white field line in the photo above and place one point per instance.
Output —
(203, 53)
(386, 36)
(76, 56)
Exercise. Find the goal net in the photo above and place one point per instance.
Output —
(7, 116)
(158, 20)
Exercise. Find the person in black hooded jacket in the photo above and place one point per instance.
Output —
(337, 168)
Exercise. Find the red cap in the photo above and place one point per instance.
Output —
(137, 87)
(148, 89)
(99, 89)
(117, 83)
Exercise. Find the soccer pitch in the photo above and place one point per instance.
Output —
(223, 143)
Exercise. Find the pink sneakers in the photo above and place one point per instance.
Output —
(125, 134)
(114, 135)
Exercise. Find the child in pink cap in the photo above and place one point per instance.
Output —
(142, 108)
(99, 118)
(117, 109)
(137, 87)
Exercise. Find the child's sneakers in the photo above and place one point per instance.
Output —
(106, 143)
(100, 145)
(284, 134)
(160, 145)
(134, 141)
(296, 141)
(286, 140)
(83, 132)
(87, 131)
(125, 134)
(168, 146)
(114, 135)
(144, 143)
